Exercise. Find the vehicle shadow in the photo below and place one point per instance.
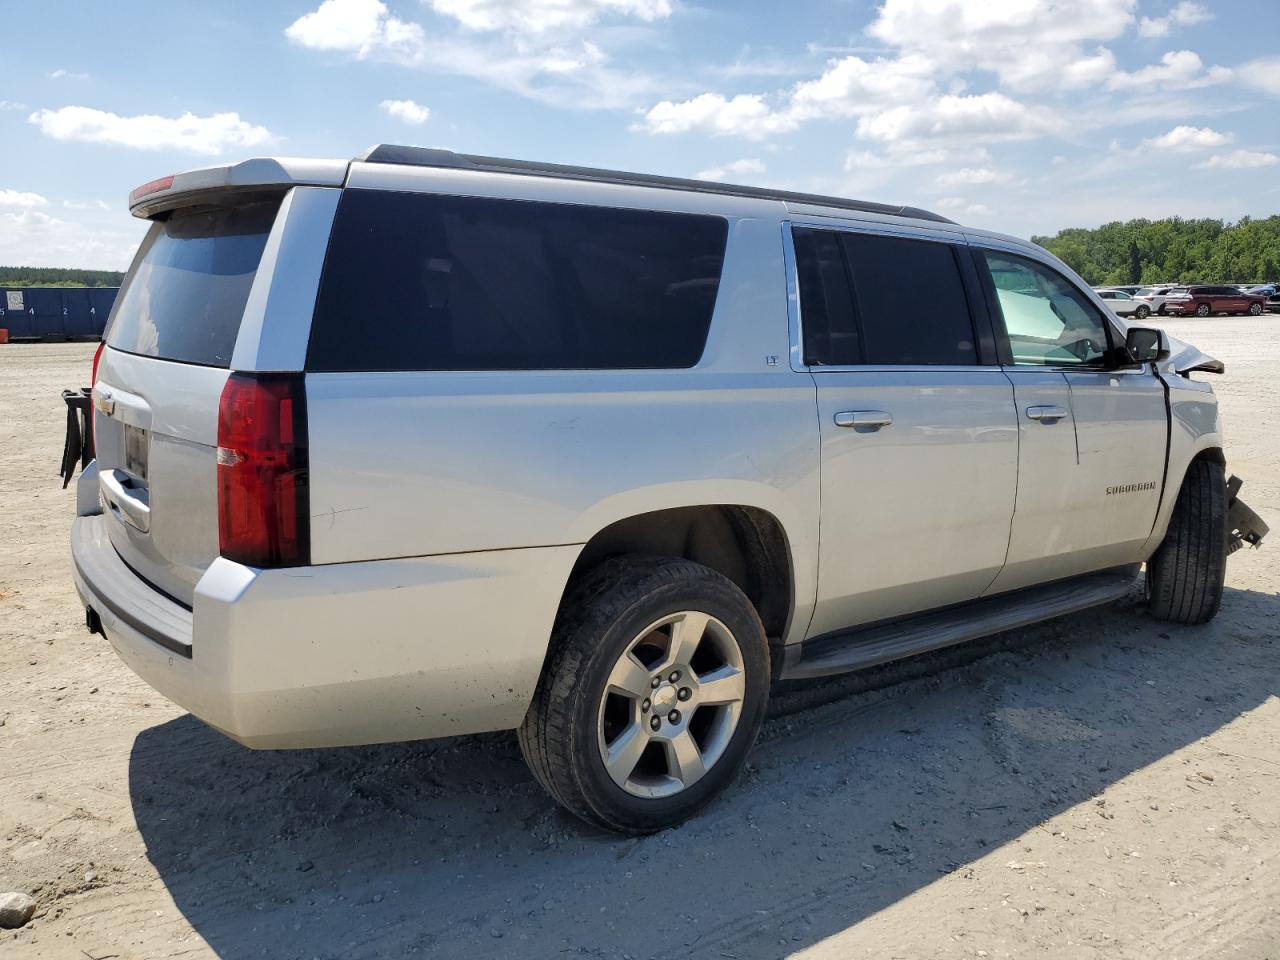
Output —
(451, 848)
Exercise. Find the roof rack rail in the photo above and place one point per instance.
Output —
(427, 157)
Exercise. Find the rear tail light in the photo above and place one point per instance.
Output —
(263, 484)
(97, 357)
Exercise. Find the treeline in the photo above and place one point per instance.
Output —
(58, 277)
(1173, 251)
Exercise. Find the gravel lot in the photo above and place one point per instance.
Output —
(1101, 786)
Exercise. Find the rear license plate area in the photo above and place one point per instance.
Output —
(136, 443)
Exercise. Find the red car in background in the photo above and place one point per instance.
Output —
(1205, 300)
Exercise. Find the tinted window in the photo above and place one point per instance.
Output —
(826, 303)
(425, 282)
(910, 301)
(881, 300)
(1047, 319)
(185, 296)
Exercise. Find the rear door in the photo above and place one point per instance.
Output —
(919, 438)
(1093, 435)
(169, 347)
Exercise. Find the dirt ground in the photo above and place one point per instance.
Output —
(1100, 786)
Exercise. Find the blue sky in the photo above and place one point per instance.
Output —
(1024, 116)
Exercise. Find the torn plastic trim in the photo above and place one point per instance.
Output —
(1243, 524)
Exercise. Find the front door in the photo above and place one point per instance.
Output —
(919, 439)
(1093, 435)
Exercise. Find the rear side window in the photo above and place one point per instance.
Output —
(427, 282)
(906, 300)
(185, 295)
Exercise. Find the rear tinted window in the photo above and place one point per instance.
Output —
(908, 303)
(426, 282)
(185, 296)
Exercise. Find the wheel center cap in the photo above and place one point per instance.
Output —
(664, 698)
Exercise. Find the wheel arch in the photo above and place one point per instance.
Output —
(746, 543)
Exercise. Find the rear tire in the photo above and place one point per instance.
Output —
(1185, 575)
(1203, 310)
(611, 735)
(1143, 312)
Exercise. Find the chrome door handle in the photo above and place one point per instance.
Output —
(1046, 413)
(871, 419)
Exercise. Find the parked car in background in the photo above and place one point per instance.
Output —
(1130, 290)
(1273, 301)
(1124, 304)
(1203, 301)
(1155, 297)
(1263, 289)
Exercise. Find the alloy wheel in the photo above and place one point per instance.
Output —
(671, 704)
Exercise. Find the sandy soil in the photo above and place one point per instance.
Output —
(1102, 786)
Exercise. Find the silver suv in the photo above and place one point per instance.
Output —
(425, 444)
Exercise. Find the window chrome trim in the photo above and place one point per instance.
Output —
(795, 346)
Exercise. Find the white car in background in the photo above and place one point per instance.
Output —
(1125, 305)
(1155, 297)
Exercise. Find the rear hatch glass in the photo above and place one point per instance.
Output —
(170, 342)
(186, 296)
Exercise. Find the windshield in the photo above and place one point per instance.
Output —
(186, 292)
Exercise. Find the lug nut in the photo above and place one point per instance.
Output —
(675, 675)
(656, 722)
(656, 682)
(674, 716)
(684, 694)
(645, 706)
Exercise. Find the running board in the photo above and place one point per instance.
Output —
(879, 643)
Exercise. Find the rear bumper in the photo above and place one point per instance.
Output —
(336, 654)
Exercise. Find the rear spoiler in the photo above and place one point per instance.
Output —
(168, 193)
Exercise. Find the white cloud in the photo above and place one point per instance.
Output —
(210, 135)
(1028, 44)
(1262, 75)
(1178, 70)
(63, 74)
(558, 68)
(20, 198)
(848, 87)
(973, 176)
(359, 27)
(33, 238)
(1185, 138)
(746, 115)
(961, 205)
(12, 105)
(1240, 160)
(410, 112)
(86, 205)
(987, 117)
(539, 16)
(743, 167)
(1185, 14)
(852, 87)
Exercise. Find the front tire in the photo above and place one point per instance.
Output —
(653, 693)
(1185, 575)
(1143, 312)
(1255, 309)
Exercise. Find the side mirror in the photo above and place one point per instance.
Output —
(1146, 345)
